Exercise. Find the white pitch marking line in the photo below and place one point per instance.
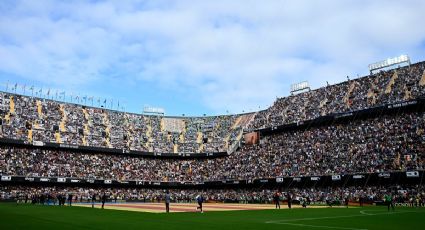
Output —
(322, 226)
(365, 213)
(313, 218)
(335, 217)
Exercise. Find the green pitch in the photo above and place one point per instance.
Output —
(14, 216)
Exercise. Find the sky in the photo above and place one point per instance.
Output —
(198, 57)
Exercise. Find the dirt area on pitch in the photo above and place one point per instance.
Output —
(187, 207)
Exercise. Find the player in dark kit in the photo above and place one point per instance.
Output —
(361, 199)
(59, 196)
(103, 199)
(167, 201)
(276, 199)
(200, 200)
(70, 199)
(289, 199)
(63, 199)
(93, 200)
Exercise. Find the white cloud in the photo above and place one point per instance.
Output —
(237, 55)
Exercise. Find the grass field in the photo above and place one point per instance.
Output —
(14, 216)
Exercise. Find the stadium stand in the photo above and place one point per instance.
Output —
(385, 87)
(40, 120)
(375, 145)
(371, 128)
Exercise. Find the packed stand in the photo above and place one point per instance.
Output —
(385, 87)
(38, 120)
(382, 144)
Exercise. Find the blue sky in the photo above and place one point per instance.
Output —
(199, 57)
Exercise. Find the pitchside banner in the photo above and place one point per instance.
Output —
(336, 177)
(384, 175)
(6, 178)
(412, 174)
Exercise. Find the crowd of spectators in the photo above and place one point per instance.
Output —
(380, 144)
(414, 195)
(382, 88)
(33, 119)
(394, 142)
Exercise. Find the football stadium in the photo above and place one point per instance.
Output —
(349, 154)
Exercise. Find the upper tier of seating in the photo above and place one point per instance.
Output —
(35, 119)
(385, 87)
